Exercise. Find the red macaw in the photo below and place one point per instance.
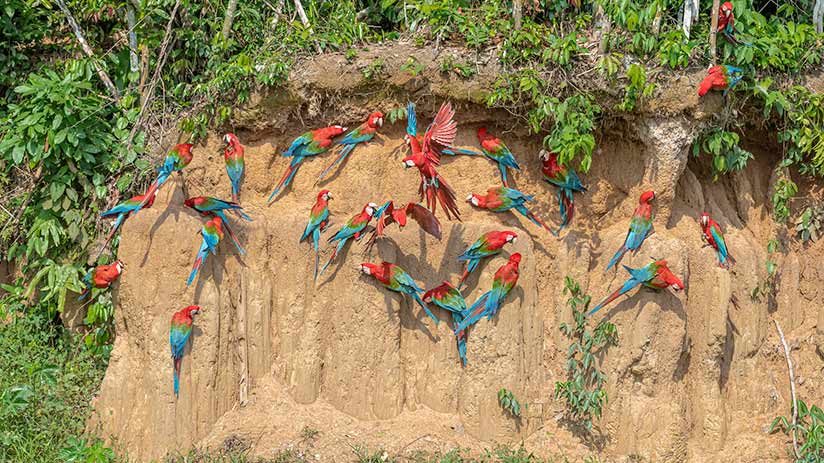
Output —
(449, 298)
(396, 279)
(208, 206)
(487, 245)
(388, 214)
(655, 275)
(722, 77)
(490, 302)
(123, 211)
(502, 199)
(566, 180)
(726, 24)
(233, 155)
(714, 237)
(427, 155)
(360, 134)
(639, 227)
(101, 277)
(318, 221)
(176, 160)
(497, 151)
(307, 145)
(354, 228)
(212, 234)
(179, 333)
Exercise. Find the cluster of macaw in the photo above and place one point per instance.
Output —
(723, 77)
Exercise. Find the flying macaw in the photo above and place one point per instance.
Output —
(396, 279)
(101, 277)
(318, 221)
(639, 227)
(721, 77)
(655, 275)
(214, 207)
(179, 333)
(388, 214)
(488, 244)
(714, 237)
(360, 134)
(123, 211)
(449, 298)
(726, 24)
(233, 155)
(212, 234)
(307, 145)
(494, 149)
(176, 160)
(354, 228)
(412, 130)
(502, 199)
(490, 302)
(426, 155)
(566, 180)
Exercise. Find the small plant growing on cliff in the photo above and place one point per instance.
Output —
(373, 70)
(766, 288)
(412, 66)
(808, 225)
(583, 390)
(784, 190)
(396, 114)
(637, 88)
(509, 402)
(808, 429)
(723, 145)
(450, 64)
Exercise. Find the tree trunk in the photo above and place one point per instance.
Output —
(716, 4)
(305, 20)
(229, 18)
(603, 25)
(656, 21)
(517, 11)
(131, 20)
(88, 50)
(818, 16)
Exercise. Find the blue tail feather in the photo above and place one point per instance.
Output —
(425, 308)
(618, 255)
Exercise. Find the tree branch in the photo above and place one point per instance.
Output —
(792, 384)
(716, 4)
(305, 20)
(229, 18)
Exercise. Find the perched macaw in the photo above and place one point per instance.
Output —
(101, 277)
(449, 298)
(639, 227)
(214, 207)
(179, 333)
(388, 214)
(655, 275)
(494, 149)
(502, 199)
(396, 279)
(318, 221)
(307, 145)
(354, 228)
(123, 211)
(490, 302)
(212, 234)
(488, 244)
(426, 155)
(360, 134)
(233, 155)
(714, 237)
(566, 180)
(176, 160)
(726, 24)
(721, 77)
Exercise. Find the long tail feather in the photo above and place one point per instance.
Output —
(338, 248)
(201, 256)
(502, 168)
(177, 362)
(242, 214)
(84, 294)
(625, 288)
(343, 153)
(285, 180)
(473, 314)
(456, 151)
(425, 308)
(532, 217)
(233, 237)
(117, 223)
(153, 189)
(446, 196)
(617, 257)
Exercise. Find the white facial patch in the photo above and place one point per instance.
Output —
(409, 163)
(513, 239)
(365, 269)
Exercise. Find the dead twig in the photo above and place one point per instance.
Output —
(792, 385)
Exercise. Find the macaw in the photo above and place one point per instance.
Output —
(721, 77)
(426, 155)
(179, 333)
(488, 244)
(123, 211)
(396, 279)
(412, 129)
(502, 199)
(388, 214)
(307, 145)
(655, 275)
(566, 180)
(714, 237)
(494, 149)
(639, 227)
(490, 302)
(233, 155)
(360, 134)
(726, 24)
(208, 206)
(176, 160)
(449, 298)
(354, 228)
(318, 221)
(212, 234)
(101, 277)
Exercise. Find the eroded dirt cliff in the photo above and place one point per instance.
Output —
(695, 378)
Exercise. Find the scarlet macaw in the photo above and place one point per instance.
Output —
(449, 298)
(360, 134)
(123, 211)
(179, 333)
(502, 199)
(487, 245)
(318, 221)
(212, 235)
(101, 277)
(307, 145)
(655, 275)
(233, 155)
(354, 228)
(388, 214)
(497, 151)
(490, 302)
(721, 77)
(176, 160)
(639, 227)
(726, 24)
(396, 279)
(714, 237)
(566, 180)
(214, 207)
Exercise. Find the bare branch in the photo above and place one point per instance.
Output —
(305, 20)
(792, 385)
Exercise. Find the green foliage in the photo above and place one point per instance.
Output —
(766, 288)
(675, 50)
(373, 70)
(396, 114)
(450, 65)
(609, 64)
(412, 66)
(784, 190)
(808, 226)
(808, 428)
(363, 455)
(583, 391)
(728, 157)
(637, 87)
(47, 380)
(509, 403)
